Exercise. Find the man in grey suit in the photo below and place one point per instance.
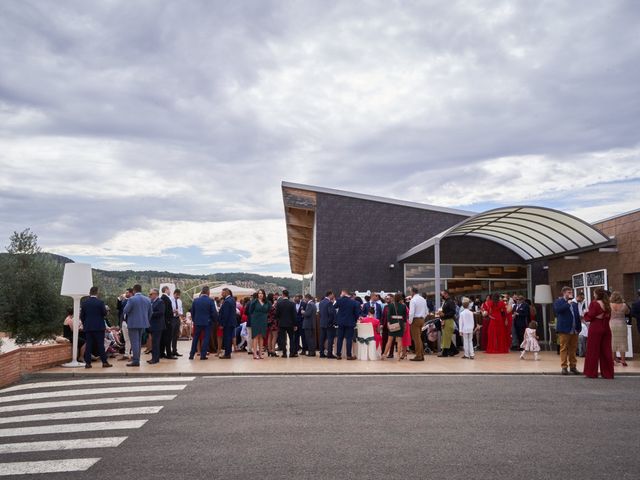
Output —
(309, 325)
(138, 313)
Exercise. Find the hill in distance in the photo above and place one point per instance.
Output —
(114, 282)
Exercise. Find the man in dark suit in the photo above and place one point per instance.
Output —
(92, 313)
(166, 350)
(635, 311)
(203, 313)
(372, 302)
(301, 342)
(327, 324)
(286, 316)
(227, 318)
(346, 318)
(157, 324)
(309, 325)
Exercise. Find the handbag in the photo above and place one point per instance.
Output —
(395, 327)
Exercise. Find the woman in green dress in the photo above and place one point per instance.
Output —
(259, 311)
(396, 323)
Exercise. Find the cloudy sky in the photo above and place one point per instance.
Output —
(155, 134)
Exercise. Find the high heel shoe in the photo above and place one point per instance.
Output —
(402, 357)
(624, 363)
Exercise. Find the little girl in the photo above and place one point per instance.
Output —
(530, 342)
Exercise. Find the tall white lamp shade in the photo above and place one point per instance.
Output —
(544, 297)
(76, 282)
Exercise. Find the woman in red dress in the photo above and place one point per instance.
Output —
(498, 333)
(599, 339)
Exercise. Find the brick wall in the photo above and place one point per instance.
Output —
(10, 367)
(25, 360)
(621, 266)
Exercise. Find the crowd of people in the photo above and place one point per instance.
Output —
(276, 325)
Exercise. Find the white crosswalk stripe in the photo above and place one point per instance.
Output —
(94, 402)
(79, 400)
(47, 466)
(95, 381)
(71, 427)
(24, 447)
(109, 412)
(90, 391)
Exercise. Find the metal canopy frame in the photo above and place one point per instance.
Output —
(534, 233)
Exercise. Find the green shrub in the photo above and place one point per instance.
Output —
(31, 308)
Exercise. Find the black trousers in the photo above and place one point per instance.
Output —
(94, 346)
(282, 340)
(156, 342)
(520, 326)
(165, 341)
(227, 339)
(310, 338)
(175, 332)
(301, 341)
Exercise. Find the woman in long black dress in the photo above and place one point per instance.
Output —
(259, 315)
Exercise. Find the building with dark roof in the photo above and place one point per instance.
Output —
(364, 242)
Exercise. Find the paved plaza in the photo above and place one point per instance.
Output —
(322, 427)
(242, 364)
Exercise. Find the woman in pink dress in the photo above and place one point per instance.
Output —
(371, 318)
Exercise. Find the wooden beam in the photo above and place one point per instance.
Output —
(299, 222)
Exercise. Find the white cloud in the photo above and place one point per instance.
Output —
(255, 242)
(172, 125)
(568, 179)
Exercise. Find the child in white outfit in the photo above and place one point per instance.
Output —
(465, 325)
(530, 342)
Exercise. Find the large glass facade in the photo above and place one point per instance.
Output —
(469, 280)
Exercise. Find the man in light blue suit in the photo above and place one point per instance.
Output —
(203, 314)
(138, 312)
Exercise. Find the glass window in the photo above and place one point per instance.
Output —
(469, 280)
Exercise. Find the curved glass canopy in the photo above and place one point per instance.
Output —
(531, 232)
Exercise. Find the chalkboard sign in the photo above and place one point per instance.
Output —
(578, 280)
(596, 278)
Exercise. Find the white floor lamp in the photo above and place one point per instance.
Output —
(76, 282)
(543, 297)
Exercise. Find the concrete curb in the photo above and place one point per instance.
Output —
(71, 374)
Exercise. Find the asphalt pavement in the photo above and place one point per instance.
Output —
(324, 427)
